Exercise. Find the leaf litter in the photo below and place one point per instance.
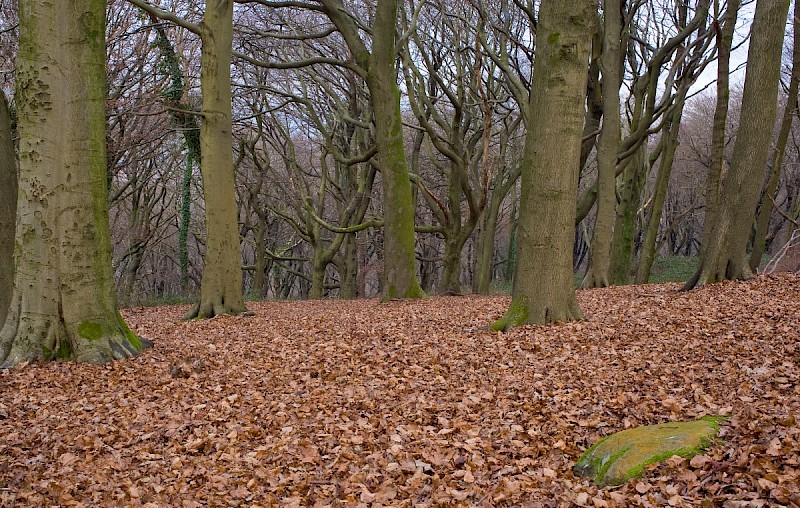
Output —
(417, 403)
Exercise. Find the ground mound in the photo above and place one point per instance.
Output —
(416, 403)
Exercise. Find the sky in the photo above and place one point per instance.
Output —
(738, 57)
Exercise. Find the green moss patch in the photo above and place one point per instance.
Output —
(619, 457)
(517, 315)
(90, 330)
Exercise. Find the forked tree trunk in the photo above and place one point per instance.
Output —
(607, 148)
(8, 207)
(543, 290)
(725, 255)
(63, 301)
(221, 285)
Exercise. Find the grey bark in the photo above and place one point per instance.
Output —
(725, 255)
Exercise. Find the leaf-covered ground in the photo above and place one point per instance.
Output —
(414, 403)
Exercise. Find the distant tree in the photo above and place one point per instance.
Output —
(8, 207)
(63, 303)
(543, 290)
(724, 254)
(377, 64)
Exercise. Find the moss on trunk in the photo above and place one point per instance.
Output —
(63, 304)
(543, 289)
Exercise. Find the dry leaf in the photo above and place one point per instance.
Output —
(341, 403)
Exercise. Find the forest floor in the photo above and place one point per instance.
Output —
(415, 403)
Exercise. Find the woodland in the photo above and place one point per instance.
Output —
(334, 252)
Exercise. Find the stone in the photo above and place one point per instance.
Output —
(617, 458)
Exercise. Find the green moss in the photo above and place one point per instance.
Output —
(64, 351)
(619, 457)
(553, 38)
(517, 315)
(133, 339)
(89, 330)
(415, 291)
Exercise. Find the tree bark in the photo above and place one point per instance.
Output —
(543, 290)
(634, 178)
(484, 266)
(608, 146)
(648, 253)
(717, 158)
(399, 264)
(725, 256)
(8, 207)
(63, 302)
(221, 284)
(348, 268)
(765, 210)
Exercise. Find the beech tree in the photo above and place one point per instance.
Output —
(221, 284)
(63, 303)
(543, 290)
(8, 207)
(378, 64)
(724, 254)
(777, 156)
(611, 65)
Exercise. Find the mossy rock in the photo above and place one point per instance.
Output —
(617, 458)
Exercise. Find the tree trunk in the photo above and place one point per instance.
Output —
(260, 274)
(484, 267)
(63, 302)
(8, 207)
(608, 146)
(319, 264)
(399, 265)
(717, 157)
(185, 220)
(543, 289)
(671, 129)
(765, 210)
(348, 271)
(634, 178)
(221, 285)
(724, 256)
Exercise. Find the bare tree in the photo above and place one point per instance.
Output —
(543, 290)
(724, 255)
